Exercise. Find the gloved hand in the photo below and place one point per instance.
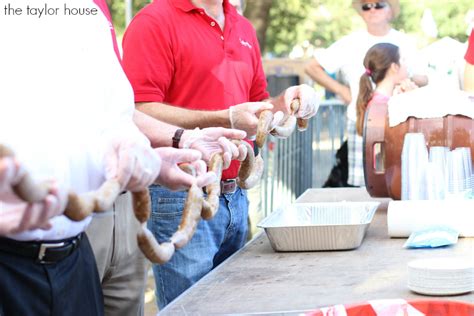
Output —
(135, 165)
(10, 173)
(244, 116)
(309, 100)
(17, 216)
(172, 177)
(215, 140)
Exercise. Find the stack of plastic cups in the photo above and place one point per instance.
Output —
(414, 167)
(436, 173)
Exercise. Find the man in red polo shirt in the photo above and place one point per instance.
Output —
(197, 64)
(469, 69)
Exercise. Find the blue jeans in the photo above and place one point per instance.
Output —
(213, 242)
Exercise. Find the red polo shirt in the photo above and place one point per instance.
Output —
(470, 49)
(173, 52)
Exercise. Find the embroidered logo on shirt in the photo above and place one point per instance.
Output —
(245, 43)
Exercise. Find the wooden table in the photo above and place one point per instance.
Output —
(259, 280)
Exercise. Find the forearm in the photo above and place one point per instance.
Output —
(159, 133)
(317, 73)
(188, 119)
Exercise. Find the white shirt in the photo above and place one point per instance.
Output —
(347, 55)
(64, 97)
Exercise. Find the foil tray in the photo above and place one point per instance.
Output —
(319, 226)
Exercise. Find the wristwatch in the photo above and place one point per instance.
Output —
(177, 137)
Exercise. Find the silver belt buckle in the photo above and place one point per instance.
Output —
(44, 247)
(228, 182)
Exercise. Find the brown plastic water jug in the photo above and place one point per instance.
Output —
(383, 145)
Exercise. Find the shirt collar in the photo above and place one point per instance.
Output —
(185, 5)
(188, 6)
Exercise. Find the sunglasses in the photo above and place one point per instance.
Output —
(375, 5)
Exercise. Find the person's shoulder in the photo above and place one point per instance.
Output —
(243, 22)
(347, 41)
(158, 10)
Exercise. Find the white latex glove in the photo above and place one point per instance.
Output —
(135, 165)
(215, 140)
(172, 177)
(10, 173)
(17, 216)
(277, 119)
(244, 116)
(309, 100)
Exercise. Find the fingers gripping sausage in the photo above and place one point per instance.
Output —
(302, 123)
(27, 189)
(263, 127)
(286, 128)
(190, 218)
(246, 167)
(80, 206)
(210, 205)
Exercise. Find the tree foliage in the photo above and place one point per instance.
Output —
(282, 24)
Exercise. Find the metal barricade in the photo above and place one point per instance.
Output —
(302, 161)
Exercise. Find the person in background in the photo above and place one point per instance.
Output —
(469, 68)
(198, 64)
(346, 55)
(385, 69)
(239, 5)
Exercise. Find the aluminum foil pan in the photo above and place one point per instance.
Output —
(319, 226)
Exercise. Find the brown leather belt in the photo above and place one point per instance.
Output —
(228, 186)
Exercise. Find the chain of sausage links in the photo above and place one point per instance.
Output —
(284, 129)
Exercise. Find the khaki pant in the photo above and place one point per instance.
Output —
(122, 267)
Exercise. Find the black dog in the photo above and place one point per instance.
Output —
(340, 172)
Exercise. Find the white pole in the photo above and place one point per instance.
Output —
(128, 11)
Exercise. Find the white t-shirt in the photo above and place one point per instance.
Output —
(347, 55)
(64, 97)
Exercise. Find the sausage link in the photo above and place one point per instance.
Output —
(27, 189)
(141, 205)
(106, 195)
(210, 205)
(246, 166)
(302, 123)
(79, 207)
(190, 218)
(153, 251)
(256, 174)
(263, 127)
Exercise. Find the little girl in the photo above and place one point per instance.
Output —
(385, 69)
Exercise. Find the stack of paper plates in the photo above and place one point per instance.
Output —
(441, 276)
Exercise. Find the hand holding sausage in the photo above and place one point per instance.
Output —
(176, 179)
(309, 100)
(17, 216)
(213, 140)
(134, 165)
(244, 116)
